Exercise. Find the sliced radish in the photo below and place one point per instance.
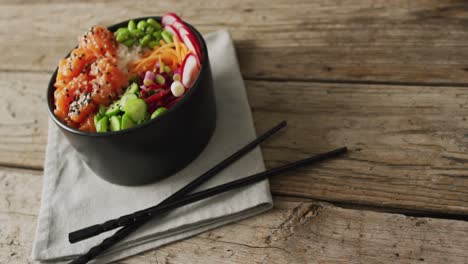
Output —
(190, 41)
(170, 18)
(190, 70)
(172, 30)
(178, 25)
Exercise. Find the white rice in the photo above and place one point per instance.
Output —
(126, 55)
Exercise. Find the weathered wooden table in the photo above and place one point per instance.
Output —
(389, 79)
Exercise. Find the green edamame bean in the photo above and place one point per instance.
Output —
(142, 25)
(153, 23)
(132, 25)
(119, 30)
(167, 37)
(145, 40)
(149, 29)
(158, 112)
(153, 44)
(167, 69)
(136, 33)
(129, 42)
(118, 37)
(122, 35)
(157, 35)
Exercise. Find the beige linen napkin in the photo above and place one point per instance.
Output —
(73, 197)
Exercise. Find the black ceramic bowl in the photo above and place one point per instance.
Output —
(155, 149)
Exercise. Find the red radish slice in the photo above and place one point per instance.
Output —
(178, 25)
(190, 41)
(172, 30)
(170, 18)
(187, 36)
(190, 70)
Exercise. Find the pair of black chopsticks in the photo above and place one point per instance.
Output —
(132, 222)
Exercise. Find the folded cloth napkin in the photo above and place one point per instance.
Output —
(73, 197)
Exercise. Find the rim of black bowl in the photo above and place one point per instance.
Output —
(204, 68)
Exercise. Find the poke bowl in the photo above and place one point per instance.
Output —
(136, 107)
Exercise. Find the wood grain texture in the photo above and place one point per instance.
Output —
(295, 231)
(397, 41)
(23, 125)
(20, 193)
(408, 142)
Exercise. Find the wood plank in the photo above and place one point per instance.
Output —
(408, 142)
(295, 231)
(310, 232)
(397, 41)
(20, 191)
(23, 125)
(20, 195)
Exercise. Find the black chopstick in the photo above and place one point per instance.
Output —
(125, 220)
(191, 198)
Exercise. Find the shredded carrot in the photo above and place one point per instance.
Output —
(171, 54)
(160, 63)
(176, 44)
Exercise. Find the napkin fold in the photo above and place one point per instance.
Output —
(72, 197)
